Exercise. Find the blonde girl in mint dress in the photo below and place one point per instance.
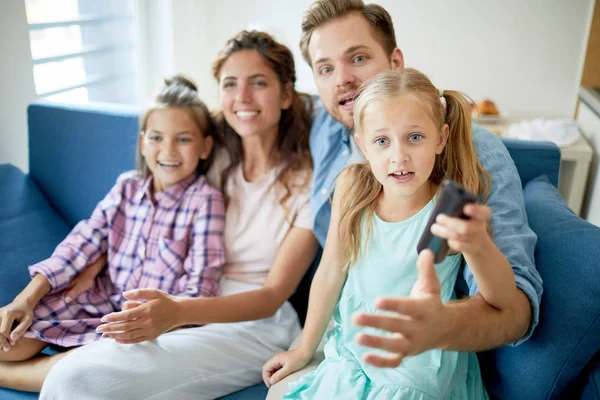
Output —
(412, 136)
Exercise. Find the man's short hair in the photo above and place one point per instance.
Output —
(323, 11)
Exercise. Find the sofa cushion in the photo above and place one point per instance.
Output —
(30, 229)
(256, 392)
(534, 159)
(76, 152)
(568, 334)
(591, 390)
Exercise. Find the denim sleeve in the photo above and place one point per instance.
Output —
(510, 230)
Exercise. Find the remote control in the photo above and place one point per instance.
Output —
(451, 201)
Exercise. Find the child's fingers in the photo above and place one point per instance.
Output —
(442, 231)
(479, 212)
(280, 374)
(20, 329)
(6, 323)
(4, 343)
(268, 369)
(79, 287)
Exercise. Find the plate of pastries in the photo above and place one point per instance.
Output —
(485, 111)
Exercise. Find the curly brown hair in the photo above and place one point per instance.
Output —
(292, 149)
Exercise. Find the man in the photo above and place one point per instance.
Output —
(346, 42)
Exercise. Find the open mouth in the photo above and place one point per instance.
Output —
(348, 102)
(246, 115)
(167, 164)
(402, 176)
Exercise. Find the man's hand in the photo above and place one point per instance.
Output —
(417, 325)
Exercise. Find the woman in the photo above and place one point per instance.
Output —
(263, 166)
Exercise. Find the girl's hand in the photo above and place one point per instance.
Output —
(283, 364)
(85, 280)
(465, 236)
(138, 322)
(20, 313)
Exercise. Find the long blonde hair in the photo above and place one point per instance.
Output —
(458, 160)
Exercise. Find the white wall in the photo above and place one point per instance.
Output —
(526, 56)
(17, 88)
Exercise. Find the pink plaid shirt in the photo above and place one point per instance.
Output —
(174, 244)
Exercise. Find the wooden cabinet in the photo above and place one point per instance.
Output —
(591, 66)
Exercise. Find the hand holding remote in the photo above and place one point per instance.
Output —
(451, 202)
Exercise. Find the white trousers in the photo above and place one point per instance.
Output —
(196, 363)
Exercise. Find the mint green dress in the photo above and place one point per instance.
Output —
(388, 268)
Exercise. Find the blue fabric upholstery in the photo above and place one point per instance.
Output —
(76, 153)
(568, 335)
(534, 159)
(29, 230)
(591, 391)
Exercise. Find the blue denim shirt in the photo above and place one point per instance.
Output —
(330, 151)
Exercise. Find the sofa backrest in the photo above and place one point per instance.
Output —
(76, 152)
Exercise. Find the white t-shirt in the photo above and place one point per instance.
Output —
(255, 222)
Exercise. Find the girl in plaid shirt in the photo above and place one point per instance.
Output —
(160, 227)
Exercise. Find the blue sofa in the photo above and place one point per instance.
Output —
(76, 152)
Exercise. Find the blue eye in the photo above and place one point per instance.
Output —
(381, 141)
(228, 85)
(260, 83)
(415, 137)
(325, 71)
(184, 139)
(359, 59)
(154, 138)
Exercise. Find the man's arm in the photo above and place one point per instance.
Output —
(511, 234)
(474, 325)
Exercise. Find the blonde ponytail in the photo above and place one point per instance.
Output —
(458, 160)
(360, 197)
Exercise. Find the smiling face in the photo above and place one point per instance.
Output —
(400, 141)
(252, 97)
(172, 146)
(345, 53)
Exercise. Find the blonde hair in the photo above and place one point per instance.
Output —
(178, 92)
(323, 11)
(458, 160)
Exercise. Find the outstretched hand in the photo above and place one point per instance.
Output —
(417, 325)
(148, 314)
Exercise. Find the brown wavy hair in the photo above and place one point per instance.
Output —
(291, 151)
(458, 161)
(178, 92)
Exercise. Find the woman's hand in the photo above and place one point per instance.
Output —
(85, 280)
(283, 364)
(138, 322)
(466, 236)
(19, 312)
